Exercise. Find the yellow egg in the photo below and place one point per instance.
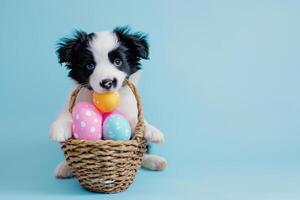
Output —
(106, 102)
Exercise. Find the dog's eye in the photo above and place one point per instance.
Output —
(117, 62)
(90, 66)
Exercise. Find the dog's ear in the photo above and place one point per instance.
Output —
(135, 42)
(69, 47)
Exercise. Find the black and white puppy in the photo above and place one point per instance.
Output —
(101, 61)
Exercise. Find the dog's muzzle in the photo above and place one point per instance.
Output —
(108, 83)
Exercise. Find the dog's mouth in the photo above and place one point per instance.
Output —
(101, 90)
(105, 84)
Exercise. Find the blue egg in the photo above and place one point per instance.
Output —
(116, 127)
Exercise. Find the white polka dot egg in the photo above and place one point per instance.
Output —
(87, 122)
(116, 127)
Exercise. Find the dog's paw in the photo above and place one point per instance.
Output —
(63, 170)
(60, 130)
(154, 162)
(153, 134)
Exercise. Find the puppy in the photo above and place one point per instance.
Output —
(101, 61)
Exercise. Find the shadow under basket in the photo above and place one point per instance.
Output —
(106, 166)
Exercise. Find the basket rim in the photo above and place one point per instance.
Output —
(93, 142)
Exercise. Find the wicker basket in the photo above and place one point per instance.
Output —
(106, 166)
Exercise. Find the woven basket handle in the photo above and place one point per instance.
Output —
(140, 118)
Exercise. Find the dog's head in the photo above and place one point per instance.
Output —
(102, 60)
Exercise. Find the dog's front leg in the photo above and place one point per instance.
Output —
(153, 134)
(151, 161)
(60, 129)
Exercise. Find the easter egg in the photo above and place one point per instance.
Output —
(116, 127)
(87, 122)
(105, 115)
(106, 102)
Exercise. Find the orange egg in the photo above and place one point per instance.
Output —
(106, 102)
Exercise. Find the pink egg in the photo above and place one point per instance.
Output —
(87, 122)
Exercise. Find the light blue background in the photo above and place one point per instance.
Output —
(222, 83)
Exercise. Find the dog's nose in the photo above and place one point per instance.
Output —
(108, 83)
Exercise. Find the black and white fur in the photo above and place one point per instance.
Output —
(101, 61)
